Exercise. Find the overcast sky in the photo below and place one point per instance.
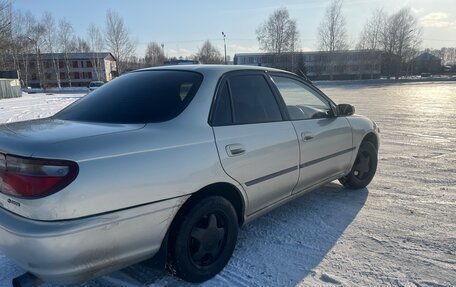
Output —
(182, 26)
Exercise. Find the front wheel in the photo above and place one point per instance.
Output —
(204, 239)
(363, 169)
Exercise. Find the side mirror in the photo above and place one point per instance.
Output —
(345, 110)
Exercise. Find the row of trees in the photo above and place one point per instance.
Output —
(155, 56)
(23, 38)
(448, 55)
(397, 35)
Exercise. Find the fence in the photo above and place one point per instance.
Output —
(10, 88)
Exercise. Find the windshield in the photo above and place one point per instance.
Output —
(137, 97)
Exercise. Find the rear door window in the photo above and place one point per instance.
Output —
(253, 100)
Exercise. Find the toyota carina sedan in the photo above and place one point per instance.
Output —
(169, 162)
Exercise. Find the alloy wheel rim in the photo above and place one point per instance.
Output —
(207, 239)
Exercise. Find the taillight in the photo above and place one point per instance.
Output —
(32, 178)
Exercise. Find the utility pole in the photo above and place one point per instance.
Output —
(224, 44)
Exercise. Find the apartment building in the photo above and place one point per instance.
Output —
(351, 64)
(72, 69)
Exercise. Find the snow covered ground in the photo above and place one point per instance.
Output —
(400, 231)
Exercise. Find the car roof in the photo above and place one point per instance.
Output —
(205, 68)
(219, 69)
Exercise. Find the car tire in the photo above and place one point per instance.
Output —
(363, 169)
(203, 240)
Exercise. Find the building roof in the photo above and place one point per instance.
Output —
(78, 56)
(303, 52)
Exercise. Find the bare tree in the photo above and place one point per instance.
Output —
(118, 39)
(134, 63)
(16, 45)
(409, 36)
(332, 33)
(81, 46)
(371, 34)
(209, 54)
(388, 42)
(155, 55)
(408, 58)
(23, 27)
(67, 40)
(97, 44)
(51, 42)
(370, 39)
(29, 44)
(17, 40)
(95, 38)
(279, 33)
(5, 23)
(36, 37)
(401, 36)
(5, 34)
(448, 55)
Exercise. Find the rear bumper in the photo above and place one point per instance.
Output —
(78, 250)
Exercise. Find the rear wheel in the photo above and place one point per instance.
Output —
(363, 169)
(203, 240)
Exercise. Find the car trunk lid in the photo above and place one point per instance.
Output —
(25, 138)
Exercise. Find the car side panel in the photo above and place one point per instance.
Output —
(268, 170)
(326, 149)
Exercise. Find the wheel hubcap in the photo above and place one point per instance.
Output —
(207, 239)
(362, 166)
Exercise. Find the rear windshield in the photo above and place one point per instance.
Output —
(137, 97)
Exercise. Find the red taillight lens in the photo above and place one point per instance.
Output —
(31, 178)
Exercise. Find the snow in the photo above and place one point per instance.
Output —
(400, 231)
(34, 106)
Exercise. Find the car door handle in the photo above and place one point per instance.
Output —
(235, 149)
(306, 136)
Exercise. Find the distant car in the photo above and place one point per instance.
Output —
(95, 85)
(170, 161)
(425, 75)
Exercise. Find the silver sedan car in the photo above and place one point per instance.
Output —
(169, 162)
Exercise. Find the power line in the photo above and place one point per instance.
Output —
(441, 40)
